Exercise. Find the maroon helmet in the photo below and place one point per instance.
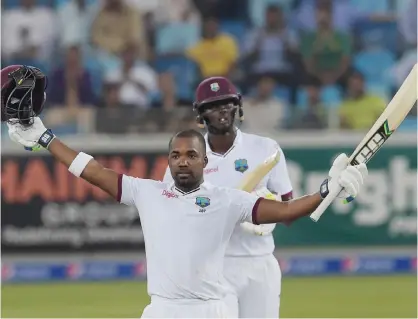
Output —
(216, 89)
(22, 93)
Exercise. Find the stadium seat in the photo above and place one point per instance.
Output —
(302, 99)
(381, 34)
(176, 37)
(257, 8)
(235, 28)
(409, 124)
(282, 93)
(374, 64)
(331, 96)
(371, 6)
(184, 72)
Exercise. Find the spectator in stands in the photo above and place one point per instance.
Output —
(116, 26)
(216, 53)
(311, 116)
(28, 30)
(359, 110)
(168, 11)
(137, 80)
(80, 13)
(344, 15)
(326, 52)
(407, 24)
(264, 111)
(71, 84)
(271, 50)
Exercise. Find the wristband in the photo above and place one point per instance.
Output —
(324, 190)
(46, 138)
(79, 163)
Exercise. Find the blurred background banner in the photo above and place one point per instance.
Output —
(45, 209)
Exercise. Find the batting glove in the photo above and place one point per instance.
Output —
(350, 178)
(32, 137)
(264, 229)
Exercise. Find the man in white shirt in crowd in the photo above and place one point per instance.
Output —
(250, 266)
(187, 224)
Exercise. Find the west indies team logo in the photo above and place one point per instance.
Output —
(202, 202)
(214, 87)
(241, 165)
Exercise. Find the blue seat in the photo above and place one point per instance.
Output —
(409, 124)
(184, 72)
(371, 6)
(374, 64)
(282, 93)
(257, 8)
(382, 34)
(331, 96)
(302, 99)
(176, 37)
(12, 4)
(235, 28)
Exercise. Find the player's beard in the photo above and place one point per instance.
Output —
(187, 184)
(212, 129)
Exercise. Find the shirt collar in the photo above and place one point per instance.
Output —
(238, 140)
(179, 192)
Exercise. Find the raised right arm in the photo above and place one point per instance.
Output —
(94, 173)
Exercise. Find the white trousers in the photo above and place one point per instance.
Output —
(256, 286)
(184, 308)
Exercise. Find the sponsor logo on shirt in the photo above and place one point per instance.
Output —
(211, 170)
(169, 194)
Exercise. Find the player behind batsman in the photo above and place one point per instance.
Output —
(187, 224)
(249, 266)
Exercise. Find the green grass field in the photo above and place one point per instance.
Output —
(338, 297)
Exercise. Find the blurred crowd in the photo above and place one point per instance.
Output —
(117, 66)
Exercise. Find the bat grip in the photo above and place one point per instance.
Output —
(333, 193)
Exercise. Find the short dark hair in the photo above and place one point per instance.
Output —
(189, 134)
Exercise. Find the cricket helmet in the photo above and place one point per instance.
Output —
(216, 89)
(22, 93)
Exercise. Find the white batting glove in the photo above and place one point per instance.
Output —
(350, 178)
(28, 136)
(264, 229)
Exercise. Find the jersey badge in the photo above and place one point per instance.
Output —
(202, 202)
(241, 165)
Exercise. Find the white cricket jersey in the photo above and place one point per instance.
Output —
(247, 152)
(186, 234)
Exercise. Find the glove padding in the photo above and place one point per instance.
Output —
(28, 136)
(350, 178)
(264, 229)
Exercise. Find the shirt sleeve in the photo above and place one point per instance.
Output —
(279, 180)
(244, 205)
(167, 176)
(129, 188)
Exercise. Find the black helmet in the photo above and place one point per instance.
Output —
(22, 93)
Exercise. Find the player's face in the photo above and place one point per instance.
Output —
(219, 116)
(187, 160)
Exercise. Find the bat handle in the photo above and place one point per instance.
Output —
(333, 193)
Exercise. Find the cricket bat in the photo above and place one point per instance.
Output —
(393, 115)
(253, 178)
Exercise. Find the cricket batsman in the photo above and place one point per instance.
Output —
(188, 223)
(250, 267)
